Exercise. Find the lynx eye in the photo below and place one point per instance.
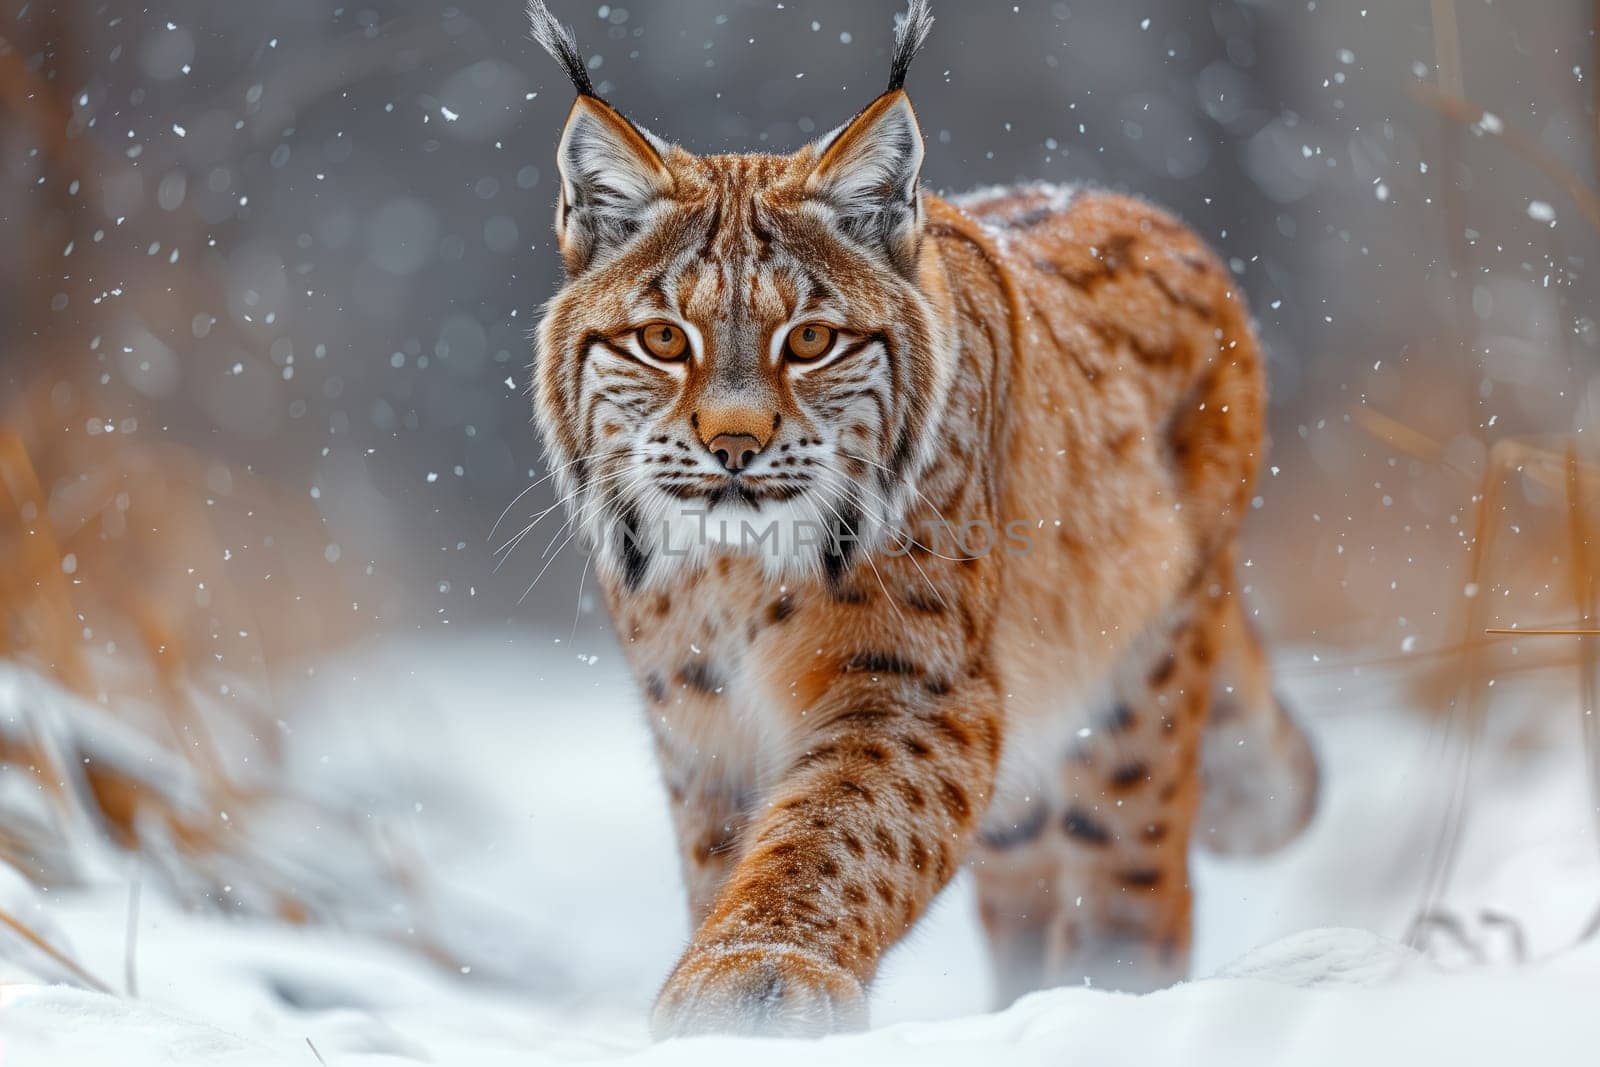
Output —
(809, 341)
(663, 340)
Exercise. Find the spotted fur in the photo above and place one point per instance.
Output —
(843, 722)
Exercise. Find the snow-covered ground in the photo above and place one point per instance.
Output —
(518, 773)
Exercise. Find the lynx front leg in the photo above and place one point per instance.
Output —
(869, 823)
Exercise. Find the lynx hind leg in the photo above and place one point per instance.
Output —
(1259, 771)
(1091, 884)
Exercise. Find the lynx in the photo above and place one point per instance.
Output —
(916, 520)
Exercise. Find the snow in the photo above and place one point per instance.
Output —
(515, 767)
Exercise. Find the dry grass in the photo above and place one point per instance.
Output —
(67, 964)
(1554, 465)
(151, 597)
(117, 597)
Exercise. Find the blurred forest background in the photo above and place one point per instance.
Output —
(270, 269)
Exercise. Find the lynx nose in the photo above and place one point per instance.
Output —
(734, 450)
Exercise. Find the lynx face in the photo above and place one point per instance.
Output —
(747, 350)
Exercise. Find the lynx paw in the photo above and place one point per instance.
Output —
(758, 989)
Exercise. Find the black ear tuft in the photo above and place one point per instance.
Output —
(909, 37)
(558, 40)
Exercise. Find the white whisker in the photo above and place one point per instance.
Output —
(552, 473)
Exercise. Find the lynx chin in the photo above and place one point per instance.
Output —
(812, 341)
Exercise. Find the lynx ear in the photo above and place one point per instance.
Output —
(611, 174)
(867, 174)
